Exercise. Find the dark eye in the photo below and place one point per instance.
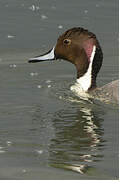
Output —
(67, 41)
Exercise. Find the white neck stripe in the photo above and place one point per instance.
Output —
(85, 80)
(93, 54)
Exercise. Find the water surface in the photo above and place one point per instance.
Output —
(45, 131)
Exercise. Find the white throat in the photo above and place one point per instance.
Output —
(85, 80)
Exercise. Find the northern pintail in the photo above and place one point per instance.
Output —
(81, 47)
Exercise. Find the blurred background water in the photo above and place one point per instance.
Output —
(45, 131)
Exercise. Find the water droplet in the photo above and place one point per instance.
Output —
(10, 36)
(85, 11)
(49, 86)
(118, 39)
(53, 7)
(1, 147)
(97, 5)
(32, 8)
(22, 4)
(39, 86)
(24, 170)
(39, 151)
(2, 151)
(13, 65)
(60, 97)
(33, 73)
(9, 143)
(48, 81)
(60, 26)
(43, 16)
(6, 5)
(37, 7)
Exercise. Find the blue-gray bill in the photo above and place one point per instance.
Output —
(49, 56)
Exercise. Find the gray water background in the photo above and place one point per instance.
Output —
(45, 131)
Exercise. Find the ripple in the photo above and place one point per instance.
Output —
(77, 168)
(61, 90)
(2, 151)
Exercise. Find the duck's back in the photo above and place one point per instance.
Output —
(109, 92)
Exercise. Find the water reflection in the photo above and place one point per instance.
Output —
(78, 139)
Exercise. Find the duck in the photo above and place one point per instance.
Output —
(81, 47)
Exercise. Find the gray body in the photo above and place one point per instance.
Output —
(108, 93)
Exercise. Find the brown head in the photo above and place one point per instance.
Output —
(76, 45)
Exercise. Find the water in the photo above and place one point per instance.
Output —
(45, 131)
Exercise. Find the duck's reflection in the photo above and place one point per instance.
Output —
(78, 139)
